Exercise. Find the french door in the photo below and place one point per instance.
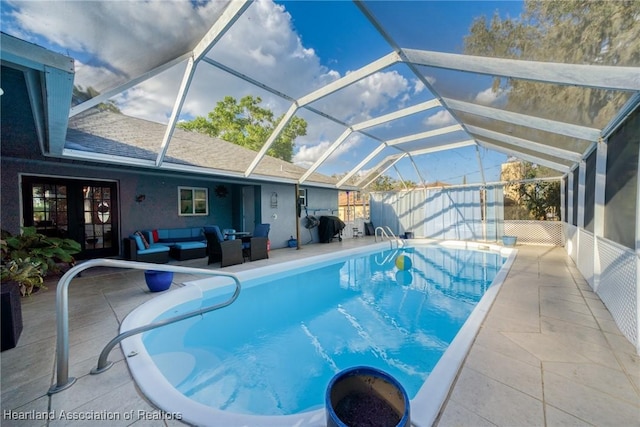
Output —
(85, 211)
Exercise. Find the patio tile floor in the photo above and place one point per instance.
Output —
(547, 354)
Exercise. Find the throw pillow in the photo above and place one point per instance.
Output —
(154, 233)
(138, 241)
(144, 239)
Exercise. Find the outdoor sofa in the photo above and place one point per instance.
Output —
(159, 244)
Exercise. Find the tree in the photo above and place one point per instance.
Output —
(81, 95)
(247, 124)
(386, 183)
(541, 198)
(537, 199)
(571, 31)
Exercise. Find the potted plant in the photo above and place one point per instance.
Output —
(19, 278)
(30, 256)
(364, 395)
(158, 281)
(27, 274)
(26, 261)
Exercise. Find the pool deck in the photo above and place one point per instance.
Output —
(547, 354)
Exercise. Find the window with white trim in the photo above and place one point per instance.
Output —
(193, 201)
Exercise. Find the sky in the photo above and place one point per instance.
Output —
(294, 47)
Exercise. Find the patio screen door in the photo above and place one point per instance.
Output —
(85, 211)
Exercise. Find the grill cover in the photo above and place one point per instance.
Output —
(329, 227)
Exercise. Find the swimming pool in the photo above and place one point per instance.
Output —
(266, 360)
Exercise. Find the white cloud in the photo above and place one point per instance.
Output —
(358, 102)
(307, 155)
(491, 97)
(126, 38)
(117, 40)
(440, 118)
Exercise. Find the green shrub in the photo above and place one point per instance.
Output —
(28, 257)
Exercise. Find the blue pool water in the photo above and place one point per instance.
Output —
(275, 349)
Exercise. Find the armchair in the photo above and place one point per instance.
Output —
(256, 247)
(228, 252)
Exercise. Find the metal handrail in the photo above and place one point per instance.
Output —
(382, 233)
(62, 311)
(386, 233)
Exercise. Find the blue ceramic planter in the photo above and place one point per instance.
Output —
(364, 395)
(158, 281)
(509, 240)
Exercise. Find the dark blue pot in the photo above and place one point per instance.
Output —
(158, 281)
(358, 395)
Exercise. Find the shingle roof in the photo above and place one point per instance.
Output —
(116, 134)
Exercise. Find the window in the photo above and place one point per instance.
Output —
(565, 182)
(193, 201)
(302, 197)
(621, 185)
(590, 191)
(576, 176)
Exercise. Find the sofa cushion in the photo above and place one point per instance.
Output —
(139, 239)
(155, 248)
(179, 233)
(190, 245)
(182, 239)
(145, 241)
(163, 234)
(214, 229)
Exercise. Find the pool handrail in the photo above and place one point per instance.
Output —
(386, 231)
(62, 311)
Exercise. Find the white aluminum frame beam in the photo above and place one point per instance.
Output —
(484, 181)
(424, 135)
(525, 143)
(418, 108)
(566, 129)
(361, 164)
(177, 107)
(326, 90)
(246, 78)
(366, 124)
(392, 160)
(102, 97)
(527, 157)
(596, 76)
(274, 135)
(229, 16)
(226, 20)
(422, 180)
(582, 174)
(353, 77)
(400, 176)
(571, 206)
(326, 154)
(201, 49)
(442, 147)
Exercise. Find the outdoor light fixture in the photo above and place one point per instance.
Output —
(140, 198)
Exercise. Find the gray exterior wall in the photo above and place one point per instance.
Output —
(283, 218)
(160, 206)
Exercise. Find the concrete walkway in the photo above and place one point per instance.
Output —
(548, 353)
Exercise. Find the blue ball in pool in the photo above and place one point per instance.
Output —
(403, 262)
(404, 278)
